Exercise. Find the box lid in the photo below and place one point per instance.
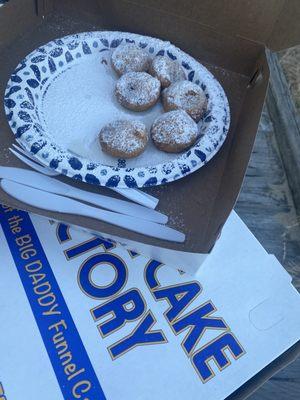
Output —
(65, 291)
(274, 23)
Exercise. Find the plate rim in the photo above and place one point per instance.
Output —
(125, 177)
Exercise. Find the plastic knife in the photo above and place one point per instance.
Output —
(52, 185)
(53, 202)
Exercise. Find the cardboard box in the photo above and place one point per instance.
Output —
(226, 36)
(55, 320)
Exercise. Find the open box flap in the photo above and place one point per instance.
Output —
(274, 23)
(17, 17)
(256, 312)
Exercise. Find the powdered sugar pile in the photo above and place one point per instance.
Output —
(81, 100)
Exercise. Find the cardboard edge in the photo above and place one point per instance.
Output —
(261, 66)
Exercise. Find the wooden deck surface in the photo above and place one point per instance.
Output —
(265, 204)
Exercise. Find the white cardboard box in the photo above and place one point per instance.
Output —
(192, 262)
(58, 339)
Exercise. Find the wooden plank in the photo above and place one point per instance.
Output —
(286, 125)
(266, 205)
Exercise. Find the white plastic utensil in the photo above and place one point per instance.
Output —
(56, 203)
(136, 195)
(33, 164)
(48, 184)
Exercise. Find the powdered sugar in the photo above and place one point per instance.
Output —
(81, 100)
(187, 96)
(174, 128)
(166, 70)
(137, 90)
(130, 58)
(124, 137)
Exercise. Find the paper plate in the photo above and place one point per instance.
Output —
(61, 95)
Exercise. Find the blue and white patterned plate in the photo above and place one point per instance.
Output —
(61, 94)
